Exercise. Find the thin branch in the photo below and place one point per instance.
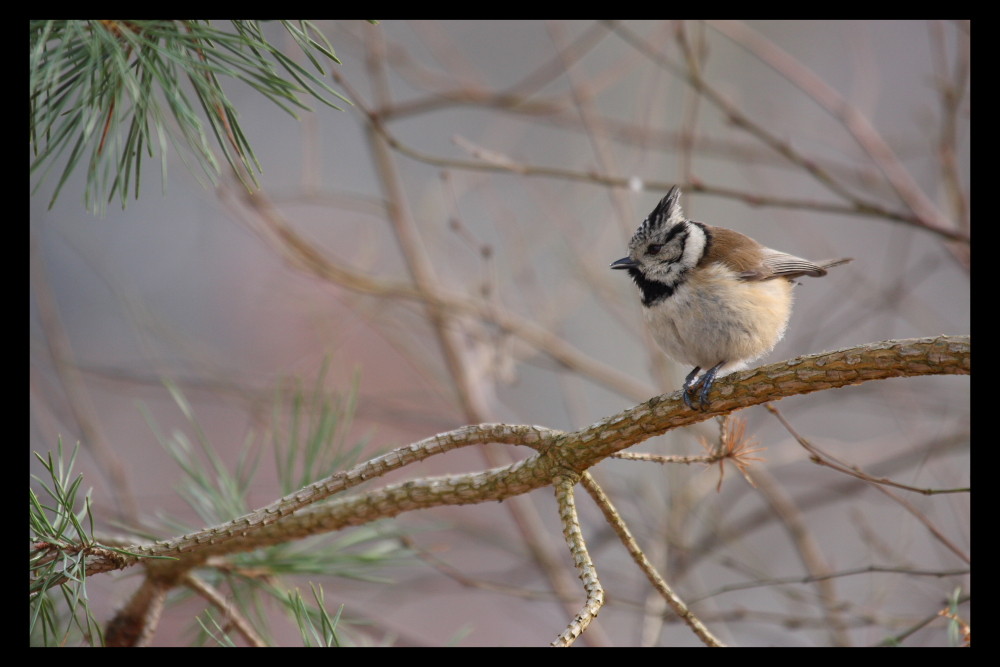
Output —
(621, 529)
(785, 581)
(230, 611)
(855, 122)
(926, 521)
(581, 558)
(302, 254)
(421, 269)
(803, 538)
(819, 457)
(739, 119)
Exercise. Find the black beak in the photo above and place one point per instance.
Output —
(624, 263)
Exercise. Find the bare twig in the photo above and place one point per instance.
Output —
(822, 458)
(621, 529)
(564, 484)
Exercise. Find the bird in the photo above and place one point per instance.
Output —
(713, 298)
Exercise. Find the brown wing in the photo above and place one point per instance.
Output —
(752, 261)
(737, 251)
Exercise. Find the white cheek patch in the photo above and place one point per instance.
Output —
(694, 248)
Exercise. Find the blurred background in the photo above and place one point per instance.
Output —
(441, 249)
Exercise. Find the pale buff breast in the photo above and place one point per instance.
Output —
(715, 317)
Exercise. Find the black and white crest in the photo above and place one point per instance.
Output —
(666, 214)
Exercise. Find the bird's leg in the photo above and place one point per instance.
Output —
(705, 382)
(687, 386)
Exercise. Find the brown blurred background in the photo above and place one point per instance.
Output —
(519, 157)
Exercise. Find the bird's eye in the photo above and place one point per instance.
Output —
(654, 248)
